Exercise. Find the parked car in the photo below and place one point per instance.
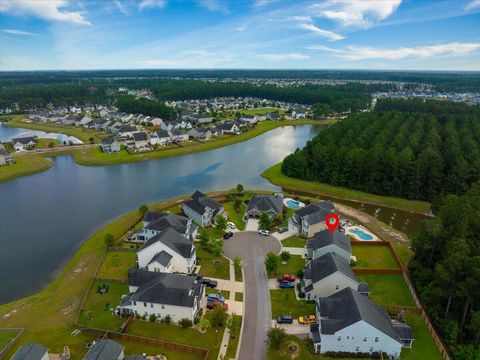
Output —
(307, 319)
(216, 297)
(286, 285)
(212, 303)
(231, 225)
(285, 319)
(228, 235)
(264, 232)
(282, 230)
(286, 277)
(210, 283)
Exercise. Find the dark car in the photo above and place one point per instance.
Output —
(228, 235)
(282, 230)
(285, 319)
(210, 283)
(286, 285)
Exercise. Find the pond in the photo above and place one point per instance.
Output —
(8, 133)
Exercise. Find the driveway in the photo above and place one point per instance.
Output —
(252, 248)
(302, 331)
(252, 225)
(283, 236)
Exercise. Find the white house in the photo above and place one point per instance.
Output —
(161, 137)
(350, 322)
(6, 158)
(177, 135)
(140, 139)
(168, 251)
(176, 295)
(202, 209)
(169, 125)
(325, 242)
(329, 274)
(252, 119)
(154, 223)
(126, 130)
(110, 144)
(228, 127)
(23, 143)
(269, 204)
(310, 219)
(31, 351)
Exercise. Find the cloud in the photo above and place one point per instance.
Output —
(284, 57)
(189, 59)
(151, 4)
(357, 13)
(472, 5)
(120, 7)
(47, 10)
(262, 3)
(18, 32)
(330, 35)
(356, 53)
(214, 5)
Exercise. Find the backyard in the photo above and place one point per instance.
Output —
(377, 257)
(388, 289)
(423, 345)
(295, 263)
(116, 264)
(6, 337)
(284, 302)
(212, 266)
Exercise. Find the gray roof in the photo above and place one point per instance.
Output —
(23, 140)
(327, 265)
(266, 203)
(325, 238)
(173, 240)
(363, 287)
(104, 350)
(315, 330)
(162, 258)
(4, 153)
(313, 213)
(108, 141)
(348, 307)
(162, 134)
(32, 351)
(403, 330)
(127, 128)
(163, 288)
(200, 202)
(161, 221)
(227, 126)
(140, 136)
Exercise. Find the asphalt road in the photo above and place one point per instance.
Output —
(252, 248)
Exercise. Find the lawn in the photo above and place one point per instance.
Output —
(378, 257)
(275, 176)
(97, 314)
(235, 217)
(116, 264)
(284, 302)
(294, 241)
(45, 143)
(238, 274)
(262, 111)
(224, 293)
(387, 290)
(239, 296)
(211, 266)
(25, 165)
(6, 337)
(423, 346)
(295, 263)
(133, 348)
(233, 343)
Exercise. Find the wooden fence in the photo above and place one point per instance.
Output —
(118, 281)
(6, 349)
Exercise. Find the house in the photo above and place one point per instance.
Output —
(202, 209)
(156, 121)
(169, 125)
(200, 133)
(110, 145)
(126, 130)
(200, 119)
(180, 253)
(105, 350)
(325, 242)
(71, 119)
(310, 219)
(329, 274)
(154, 223)
(161, 137)
(249, 118)
(274, 115)
(228, 127)
(140, 139)
(269, 204)
(31, 351)
(6, 158)
(162, 294)
(82, 120)
(23, 143)
(178, 136)
(350, 322)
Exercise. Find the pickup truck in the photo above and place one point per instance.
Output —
(307, 319)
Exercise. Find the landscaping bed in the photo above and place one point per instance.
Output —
(233, 343)
(116, 264)
(284, 302)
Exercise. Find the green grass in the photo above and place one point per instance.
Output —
(238, 274)
(44, 143)
(262, 111)
(6, 337)
(133, 348)
(239, 296)
(284, 303)
(423, 346)
(25, 165)
(295, 263)
(378, 257)
(233, 343)
(294, 241)
(235, 217)
(96, 314)
(224, 293)
(116, 264)
(387, 290)
(211, 266)
(275, 176)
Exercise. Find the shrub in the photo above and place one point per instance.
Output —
(240, 188)
(310, 346)
(167, 319)
(185, 323)
(276, 336)
(109, 240)
(271, 262)
(143, 209)
(300, 273)
(285, 256)
(219, 316)
(152, 318)
(265, 222)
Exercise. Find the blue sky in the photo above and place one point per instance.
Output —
(272, 34)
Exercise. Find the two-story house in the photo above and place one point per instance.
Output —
(202, 209)
(310, 219)
(110, 145)
(269, 204)
(324, 242)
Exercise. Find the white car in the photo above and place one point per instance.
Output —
(231, 225)
(264, 232)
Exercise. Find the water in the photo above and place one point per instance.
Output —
(45, 217)
(293, 204)
(361, 234)
(7, 133)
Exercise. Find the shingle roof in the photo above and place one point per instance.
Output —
(163, 258)
(265, 203)
(32, 351)
(315, 330)
(108, 141)
(162, 221)
(163, 288)
(23, 140)
(104, 350)
(200, 202)
(327, 265)
(325, 238)
(162, 134)
(348, 307)
(313, 213)
(4, 153)
(403, 330)
(173, 240)
(127, 128)
(140, 136)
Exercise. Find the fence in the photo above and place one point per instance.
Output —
(12, 342)
(118, 281)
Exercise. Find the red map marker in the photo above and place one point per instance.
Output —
(332, 221)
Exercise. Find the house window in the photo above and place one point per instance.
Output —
(151, 305)
(377, 339)
(364, 339)
(336, 287)
(134, 303)
(348, 337)
(145, 304)
(357, 348)
(163, 306)
(339, 338)
(371, 349)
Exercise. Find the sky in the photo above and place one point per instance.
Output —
(241, 34)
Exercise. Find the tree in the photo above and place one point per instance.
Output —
(109, 240)
(216, 247)
(51, 144)
(321, 110)
(265, 222)
(204, 324)
(276, 336)
(237, 203)
(240, 188)
(219, 316)
(91, 140)
(204, 238)
(221, 223)
(271, 262)
(285, 256)
(233, 325)
(143, 209)
(152, 318)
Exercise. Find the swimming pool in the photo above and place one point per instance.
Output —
(294, 204)
(361, 234)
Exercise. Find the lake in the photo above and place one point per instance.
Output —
(7, 133)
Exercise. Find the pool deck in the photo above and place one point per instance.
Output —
(348, 231)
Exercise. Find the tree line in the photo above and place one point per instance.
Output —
(422, 154)
(129, 104)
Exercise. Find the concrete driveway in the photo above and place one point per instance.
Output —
(283, 236)
(252, 248)
(252, 225)
(302, 331)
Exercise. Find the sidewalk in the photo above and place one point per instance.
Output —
(295, 250)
